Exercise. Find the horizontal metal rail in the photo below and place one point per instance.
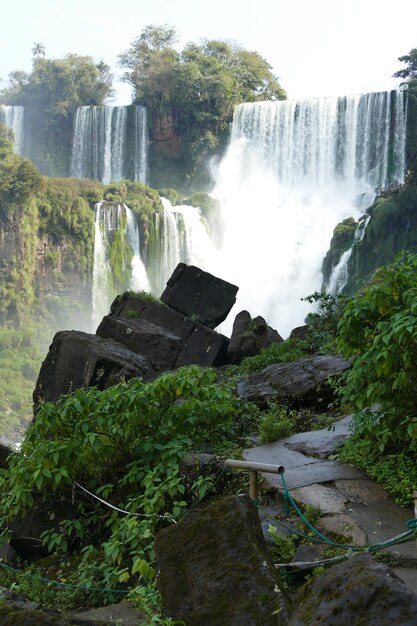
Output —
(253, 469)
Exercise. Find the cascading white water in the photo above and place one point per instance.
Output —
(14, 117)
(102, 148)
(115, 221)
(340, 273)
(293, 170)
(180, 234)
(140, 151)
(139, 281)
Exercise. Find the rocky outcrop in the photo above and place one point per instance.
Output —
(358, 591)
(249, 336)
(227, 578)
(167, 338)
(141, 337)
(301, 382)
(199, 295)
(76, 359)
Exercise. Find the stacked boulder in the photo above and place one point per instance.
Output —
(142, 337)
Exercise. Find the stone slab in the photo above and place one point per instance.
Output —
(345, 526)
(362, 490)
(326, 499)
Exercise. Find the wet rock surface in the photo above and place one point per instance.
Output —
(351, 505)
(354, 593)
(249, 336)
(227, 578)
(196, 293)
(76, 359)
(300, 382)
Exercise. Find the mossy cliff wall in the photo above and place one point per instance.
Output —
(393, 223)
(47, 248)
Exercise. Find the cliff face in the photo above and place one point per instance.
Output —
(392, 226)
(47, 248)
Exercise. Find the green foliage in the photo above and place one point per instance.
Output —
(196, 89)
(377, 331)
(27, 580)
(409, 73)
(125, 444)
(318, 338)
(396, 472)
(276, 423)
(284, 546)
(172, 194)
(20, 360)
(285, 352)
(19, 178)
(59, 86)
(142, 200)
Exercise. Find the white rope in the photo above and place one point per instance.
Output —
(313, 563)
(115, 508)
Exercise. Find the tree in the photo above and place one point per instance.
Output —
(38, 50)
(409, 73)
(197, 88)
(59, 86)
(19, 178)
(150, 62)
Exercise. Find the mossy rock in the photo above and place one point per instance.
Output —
(341, 241)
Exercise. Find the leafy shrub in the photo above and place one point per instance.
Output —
(377, 331)
(276, 423)
(125, 444)
(318, 339)
(396, 472)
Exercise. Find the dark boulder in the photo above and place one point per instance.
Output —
(199, 294)
(214, 568)
(204, 347)
(133, 306)
(301, 382)
(7, 553)
(182, 341)
(299, 332)
(354, 593)
(4, 453)
(249, 336)
(160, 346)
(27, 528)
(76, 359)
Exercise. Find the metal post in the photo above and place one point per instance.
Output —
(253, 469)
(253, 484)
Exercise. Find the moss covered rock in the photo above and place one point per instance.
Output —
(341, 241)
(358, 592)
(214, 568)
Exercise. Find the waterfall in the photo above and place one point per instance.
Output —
(178, 234)
(293, 170)
(102, 147)
(140, 149)
(117, 261)
(340, 272)
(13, 117)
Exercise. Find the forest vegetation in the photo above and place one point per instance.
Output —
(127, 442)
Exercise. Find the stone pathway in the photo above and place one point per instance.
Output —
(352, 505)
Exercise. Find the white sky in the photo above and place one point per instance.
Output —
(316, 47)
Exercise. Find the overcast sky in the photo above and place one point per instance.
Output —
(316, 47)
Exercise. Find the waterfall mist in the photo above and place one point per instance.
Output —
(14, 118)
(293, 170)
(110, 143)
